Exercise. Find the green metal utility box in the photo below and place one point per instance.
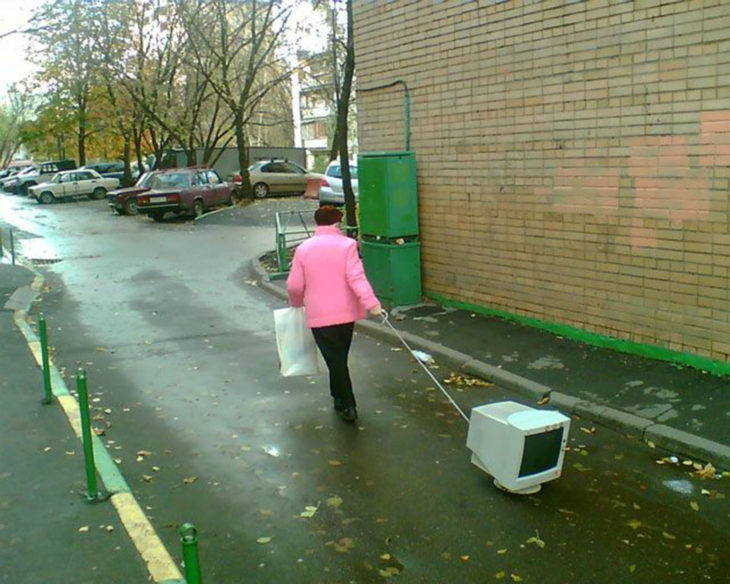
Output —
(388, 195)
(394, 270)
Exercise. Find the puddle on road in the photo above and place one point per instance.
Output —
(546, 362)
(683, 487)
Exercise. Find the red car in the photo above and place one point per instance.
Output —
(183, 191)
(124, 201)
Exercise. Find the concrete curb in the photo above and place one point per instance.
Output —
(612, 418)
(695, 446)
(670, 439)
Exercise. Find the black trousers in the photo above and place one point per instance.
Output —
(334, 343)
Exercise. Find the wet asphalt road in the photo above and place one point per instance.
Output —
(179, 349)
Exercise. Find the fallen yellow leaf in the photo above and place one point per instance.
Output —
(500, 575)
(668, 536)
(344, 545)
(536, 540)
(694, 505)
(263, 540)
(708, 472)
(309, 511)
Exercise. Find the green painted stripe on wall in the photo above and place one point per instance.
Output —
(633, 348)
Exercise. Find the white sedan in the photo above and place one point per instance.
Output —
(73, 183)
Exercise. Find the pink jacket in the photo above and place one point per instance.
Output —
(328, 279)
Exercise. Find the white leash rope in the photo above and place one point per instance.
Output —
(426, 369)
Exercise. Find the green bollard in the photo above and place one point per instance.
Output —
(92, 493)
(189, 540)
(44, 353)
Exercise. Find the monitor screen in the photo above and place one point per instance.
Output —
(541, 452)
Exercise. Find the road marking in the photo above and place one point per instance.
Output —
(148, 544)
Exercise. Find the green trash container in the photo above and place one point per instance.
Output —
(394, 270)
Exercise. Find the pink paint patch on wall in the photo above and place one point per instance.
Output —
(674, 199)
(664, 185)
(715, 138)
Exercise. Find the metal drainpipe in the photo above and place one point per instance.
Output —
(406, 107)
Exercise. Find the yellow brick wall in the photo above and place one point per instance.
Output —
(573, 157)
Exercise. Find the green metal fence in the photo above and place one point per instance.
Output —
(292, 227)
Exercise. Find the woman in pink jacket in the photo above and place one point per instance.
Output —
(328, 279)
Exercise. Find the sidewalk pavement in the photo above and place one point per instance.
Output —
(47, 526)
(682, 410)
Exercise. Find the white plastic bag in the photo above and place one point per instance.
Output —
(298, 353)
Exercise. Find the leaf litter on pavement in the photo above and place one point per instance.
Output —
(458, 379)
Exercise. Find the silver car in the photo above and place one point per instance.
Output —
(279, 177)
(330, 189)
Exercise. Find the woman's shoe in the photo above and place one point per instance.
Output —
(349, 415)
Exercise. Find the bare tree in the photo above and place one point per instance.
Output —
(151, 73)
(234, 46)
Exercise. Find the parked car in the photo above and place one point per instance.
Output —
(8, 177)
(103, 167)
(14, 168)
(71, 184)
(183, 191)
(330, 188)
(116, 170)
(124, 201)
(46, 171)
(277, 177)
(12, 183)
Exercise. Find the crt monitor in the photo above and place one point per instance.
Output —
(520, 446)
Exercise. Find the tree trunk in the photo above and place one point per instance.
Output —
(82, 145)
(335, 141)
(138, 148)
(190, 156)
(127, 180)
(343, 107)
(246, 189)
